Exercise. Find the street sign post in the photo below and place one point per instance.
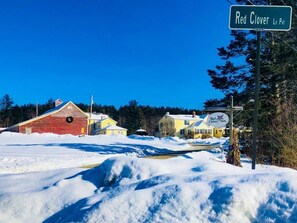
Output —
(230, 109)
(259, 18)
(254, 17)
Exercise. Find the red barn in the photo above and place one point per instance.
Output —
(65, 118)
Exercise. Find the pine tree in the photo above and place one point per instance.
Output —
(133, 116)
(278, 76)
(5, 113)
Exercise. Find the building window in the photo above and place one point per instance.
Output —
(186, 122)
(69, 119)
(182, 131)
(28, 130)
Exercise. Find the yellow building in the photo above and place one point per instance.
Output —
(103, 124)
(111, 130)
(187, 126)
(218, 132)
(199, 130)
(175, 125)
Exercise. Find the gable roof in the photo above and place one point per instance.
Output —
(187, 117)
(196, 125)
(111, 127)
(98, 117)
(48, 113)
(57, 108)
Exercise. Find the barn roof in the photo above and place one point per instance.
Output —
(59, 107)
(48, 113)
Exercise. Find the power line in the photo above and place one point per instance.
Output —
(229, 2)
(287, 5)
(285, 42)
(251, 2)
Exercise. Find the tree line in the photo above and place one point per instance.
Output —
(277, 118)
(131, 116)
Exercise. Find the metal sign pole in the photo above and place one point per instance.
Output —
(256, 102)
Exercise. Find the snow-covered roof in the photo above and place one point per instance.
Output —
(113, 127)
(196, 125)
(97, 117)
(140, 130)
(57, 108)
(187, 117)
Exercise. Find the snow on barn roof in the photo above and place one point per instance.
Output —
(57, 108)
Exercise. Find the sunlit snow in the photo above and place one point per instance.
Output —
(43, 178)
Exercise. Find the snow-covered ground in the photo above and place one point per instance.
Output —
(43, 179)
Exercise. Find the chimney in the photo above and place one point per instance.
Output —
(58, 102)
(194, 114)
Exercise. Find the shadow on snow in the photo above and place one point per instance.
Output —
(120, 148)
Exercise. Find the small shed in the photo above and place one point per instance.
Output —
(65, 118)
(141, 132)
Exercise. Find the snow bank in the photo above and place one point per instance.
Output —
(38, 152)
(197, 187)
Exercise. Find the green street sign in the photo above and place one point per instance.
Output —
(255, 17)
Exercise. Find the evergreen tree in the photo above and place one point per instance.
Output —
(278, 75)
(5, 110)
(50, 104)
(134, 118)
(131, 116)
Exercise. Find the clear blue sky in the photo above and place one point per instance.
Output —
(154, 51)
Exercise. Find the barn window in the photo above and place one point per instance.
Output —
(69, 119)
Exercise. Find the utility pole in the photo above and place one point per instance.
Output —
(91, 111)
(231, 122)
(36, 112)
